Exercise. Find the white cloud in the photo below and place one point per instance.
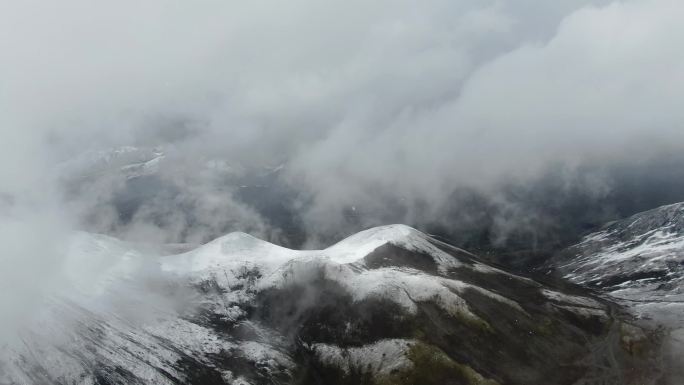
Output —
(368, 100)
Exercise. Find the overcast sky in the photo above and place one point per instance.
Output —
(416, 96)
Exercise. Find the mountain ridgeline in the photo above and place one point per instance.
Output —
(389, 305)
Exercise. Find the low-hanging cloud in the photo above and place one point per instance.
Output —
(596, 92)
(392, 108)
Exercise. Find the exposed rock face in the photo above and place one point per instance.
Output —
(389, 305)
(639, 262)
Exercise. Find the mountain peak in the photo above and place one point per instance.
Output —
(242, 310)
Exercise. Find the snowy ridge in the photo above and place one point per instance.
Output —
(361, 244)
(229, 259)
(638, 261)
(237, 248)
(107, 275)
(636, 257)
(130, 315)
(232, 250)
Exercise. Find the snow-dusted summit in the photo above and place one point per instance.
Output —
(389, 305)
(638, 258)
(639, 262)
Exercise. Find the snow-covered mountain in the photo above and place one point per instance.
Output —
(389, 305)
(639, 262)
(640, 258)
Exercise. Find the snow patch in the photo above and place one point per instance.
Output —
(380, 358)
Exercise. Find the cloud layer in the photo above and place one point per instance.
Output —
(391, 108)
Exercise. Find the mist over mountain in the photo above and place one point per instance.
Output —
(139, 193)
(397, 109)
(511, 129)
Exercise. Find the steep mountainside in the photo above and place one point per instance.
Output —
(638, 259)
(389, 305)
(639, 262)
